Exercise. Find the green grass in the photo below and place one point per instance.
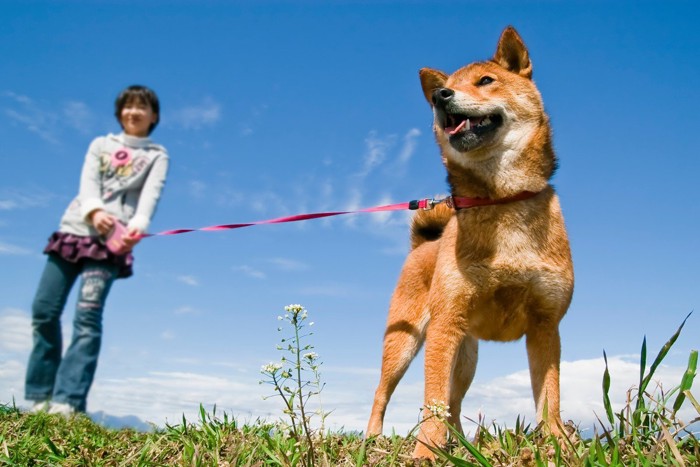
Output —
(41, 439)
(646, 432)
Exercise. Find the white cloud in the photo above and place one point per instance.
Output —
(406, 152)
(15, 330)
(382, 223)
(158, 397)
(287, 264)
(329, 290)
(45, 122)
(409, 145)
(189, 280)
(11, 371)
(167, 335)
(256, 115)
(78, 116)
(353, 203)
(194, 117)
(381, 153)
(225, 196)
(197, 188)
(11, 200)
(503, 399)
(9, 249)
(261, 202)
(12, 380)
(25, 112)
(19, 98)
(361, 371)
(250, 272)
(377, 149)
(185, 310)
(382, 219)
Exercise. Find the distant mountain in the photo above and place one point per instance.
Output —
(128, 421)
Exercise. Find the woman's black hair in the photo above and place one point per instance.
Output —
(141, 93)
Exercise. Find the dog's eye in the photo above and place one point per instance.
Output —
(484, 81)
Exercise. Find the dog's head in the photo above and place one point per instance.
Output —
(486, 108)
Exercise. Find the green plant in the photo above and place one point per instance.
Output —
(648, 423)
(296, 379)
(647, 431)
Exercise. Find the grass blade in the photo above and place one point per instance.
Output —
(642, 363)
(693, 401)
(606, 390)
(687, 380)
(671, 444)
(662, 354)
(470, 447)
(54, 449)
(361, 457)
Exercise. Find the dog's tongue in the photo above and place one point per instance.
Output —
(464, 124)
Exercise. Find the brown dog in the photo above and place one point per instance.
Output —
(496, 265)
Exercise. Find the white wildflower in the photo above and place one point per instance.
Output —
(439, 409)
(295, 309)
(271, 367)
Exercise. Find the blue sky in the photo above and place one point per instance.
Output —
(278, 108)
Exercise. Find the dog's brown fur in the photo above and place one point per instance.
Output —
(495, 272)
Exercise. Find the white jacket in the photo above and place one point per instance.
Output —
(123, 175)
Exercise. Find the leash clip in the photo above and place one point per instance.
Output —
(424, 204)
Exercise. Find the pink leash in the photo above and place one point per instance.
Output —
(412, 205)
(454, 202)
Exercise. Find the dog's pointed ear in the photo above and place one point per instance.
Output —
(512, 54)
(431, 80)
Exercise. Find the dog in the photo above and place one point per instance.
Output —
(494, 263)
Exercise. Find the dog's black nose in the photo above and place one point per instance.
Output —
(442, 96)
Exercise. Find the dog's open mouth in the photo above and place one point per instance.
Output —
(468, 132)
(456, 123)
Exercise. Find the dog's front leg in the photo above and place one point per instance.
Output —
(442, 345)
(544, 353)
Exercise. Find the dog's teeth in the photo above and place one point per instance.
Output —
(469, 125)
(486, 121)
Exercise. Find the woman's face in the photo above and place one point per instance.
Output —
(137, 117)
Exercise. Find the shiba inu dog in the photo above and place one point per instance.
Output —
(494, 263)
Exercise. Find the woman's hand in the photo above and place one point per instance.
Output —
(132, 237)
(102, 221)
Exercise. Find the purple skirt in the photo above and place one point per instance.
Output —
(75, 248)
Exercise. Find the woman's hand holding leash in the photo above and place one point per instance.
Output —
(102, 221)
(132, 237)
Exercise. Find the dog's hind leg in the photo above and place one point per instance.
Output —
(403, 339)
(462, 377)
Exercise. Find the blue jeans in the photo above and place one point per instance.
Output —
(67, 379)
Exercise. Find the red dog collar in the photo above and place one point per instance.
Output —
(461, 202)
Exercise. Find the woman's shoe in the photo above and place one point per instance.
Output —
(59, 408)
(40, 406)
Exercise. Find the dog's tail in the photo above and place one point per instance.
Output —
(427, 226)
